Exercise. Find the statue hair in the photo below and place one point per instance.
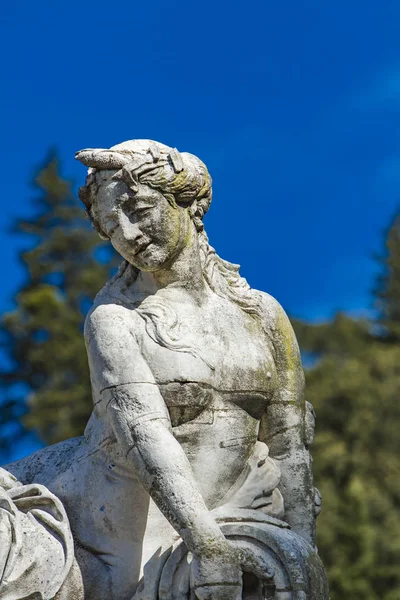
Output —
(183, 179)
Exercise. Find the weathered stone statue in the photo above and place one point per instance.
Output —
(193, 478)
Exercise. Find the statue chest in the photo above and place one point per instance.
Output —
(194, 353)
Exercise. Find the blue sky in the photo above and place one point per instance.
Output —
(294, 106)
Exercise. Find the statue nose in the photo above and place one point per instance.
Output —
(135, 238)
(132, 233)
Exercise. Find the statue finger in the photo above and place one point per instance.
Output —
(255, 563)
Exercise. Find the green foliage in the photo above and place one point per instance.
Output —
(388, 288)
(48, 378)
(354, 386)
(353, 383)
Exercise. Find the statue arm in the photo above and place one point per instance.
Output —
(284, 427)
(140, 420)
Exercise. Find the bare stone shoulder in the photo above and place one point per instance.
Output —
(270, 308)
(104, 318)
(280, 331)
(114, 355)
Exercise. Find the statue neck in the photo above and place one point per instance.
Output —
(184, 273)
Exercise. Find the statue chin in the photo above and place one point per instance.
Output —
(197, 446)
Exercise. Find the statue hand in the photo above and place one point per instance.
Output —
(219, 576)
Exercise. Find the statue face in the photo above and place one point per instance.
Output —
(143, 228)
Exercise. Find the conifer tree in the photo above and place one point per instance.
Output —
(388, 286)
(47, 383)
(354, 385)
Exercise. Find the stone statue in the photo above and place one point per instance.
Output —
(193, 478)
(36, 544)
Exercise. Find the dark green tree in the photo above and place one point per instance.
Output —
(354, 384)
(46, 383)
(387, 291)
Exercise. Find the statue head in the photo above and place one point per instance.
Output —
(145, 197)
(148, 198)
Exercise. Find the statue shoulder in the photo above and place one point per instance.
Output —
(114, 352)
(106, 315)
(279, 328)
(272, 313)
(108, 322)
(112, 306)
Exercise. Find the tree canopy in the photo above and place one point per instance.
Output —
(387, 291)
(354, 385)
(46, 384)
(353, 381)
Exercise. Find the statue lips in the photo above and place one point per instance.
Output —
(140, 247)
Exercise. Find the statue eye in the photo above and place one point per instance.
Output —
(125, 202)
(132, 210)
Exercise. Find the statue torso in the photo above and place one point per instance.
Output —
(193, 350)
(214, 367)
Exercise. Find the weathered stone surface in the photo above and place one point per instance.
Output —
(194, 466)
(36, 545)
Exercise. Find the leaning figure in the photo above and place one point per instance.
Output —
(193, 478)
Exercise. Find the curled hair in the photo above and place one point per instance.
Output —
(183, 179)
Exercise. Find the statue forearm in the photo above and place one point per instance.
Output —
(287, 428)
(298, 493)
(284, 431)
(164, 471)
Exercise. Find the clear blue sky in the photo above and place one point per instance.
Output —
(294, 106)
